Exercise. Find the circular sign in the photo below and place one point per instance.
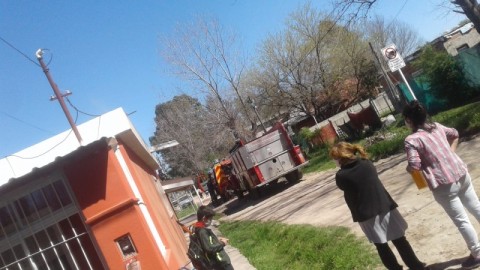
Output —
(390, 53)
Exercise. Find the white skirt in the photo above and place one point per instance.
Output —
(384, 227)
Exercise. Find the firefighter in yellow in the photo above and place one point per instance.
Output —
(222, 178)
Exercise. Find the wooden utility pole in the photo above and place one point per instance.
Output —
(58, 95)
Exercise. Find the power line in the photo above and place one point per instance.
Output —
(25, 122)
(79, 111)
(398, 13)
(39, 155)
(20, 52)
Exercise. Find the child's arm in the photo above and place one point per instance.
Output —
(223, 240)
(209, 242)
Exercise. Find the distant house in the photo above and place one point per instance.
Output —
(459, 39)
(454, 42)
(98, 205)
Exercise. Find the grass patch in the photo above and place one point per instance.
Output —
(318, 160)
(465, 119)
(273, 245)
(187, 211)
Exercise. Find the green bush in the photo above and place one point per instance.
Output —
(389, 147)
(306, 133)
(465, 119)
(445, 75)
(318, 160)
(302, 138)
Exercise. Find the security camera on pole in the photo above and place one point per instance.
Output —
(395, 62)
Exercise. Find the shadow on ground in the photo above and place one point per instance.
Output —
(454, 264)
(237, 205)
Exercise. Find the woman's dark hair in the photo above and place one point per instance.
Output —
(416, 113)
(204, 211)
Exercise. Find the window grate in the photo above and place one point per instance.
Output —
(42, 229)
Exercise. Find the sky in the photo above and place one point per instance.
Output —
(107, 54)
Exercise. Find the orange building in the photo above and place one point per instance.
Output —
(94, 205)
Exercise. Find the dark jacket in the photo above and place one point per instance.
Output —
(364, 194)
(213, 247)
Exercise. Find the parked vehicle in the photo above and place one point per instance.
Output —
(261, 161)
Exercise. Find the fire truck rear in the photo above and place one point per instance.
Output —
(265, 160)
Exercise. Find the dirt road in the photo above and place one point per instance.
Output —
(316, 200)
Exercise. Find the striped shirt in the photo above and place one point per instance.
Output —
(430, 152)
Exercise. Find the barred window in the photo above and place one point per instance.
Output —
(42, 229)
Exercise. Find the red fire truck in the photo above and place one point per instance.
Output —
(263, 160)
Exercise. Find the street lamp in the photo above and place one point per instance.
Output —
(162, 146)
(252, 103)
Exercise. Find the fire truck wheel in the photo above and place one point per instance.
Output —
(254, 193)
(225, 197)
(294, 177)
(239, 194)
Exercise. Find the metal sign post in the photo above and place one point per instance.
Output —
(408, 85)
(395, 62)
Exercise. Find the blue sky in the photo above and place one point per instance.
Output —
(107, 54)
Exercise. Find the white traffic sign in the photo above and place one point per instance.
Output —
(395, 62)
(393, 57)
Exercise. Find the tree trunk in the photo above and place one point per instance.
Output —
(471, 8)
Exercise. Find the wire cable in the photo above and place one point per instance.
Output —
(25, 122)
(39, 155)
(398, 13)
(51, 56)
(20, 52)
(79, 111)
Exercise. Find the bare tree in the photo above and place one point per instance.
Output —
(381, 33)
(204, 53)
(304, 67)
(471, 9)
(360, 8)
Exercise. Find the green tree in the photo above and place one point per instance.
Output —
(201, 138)
(445, 75)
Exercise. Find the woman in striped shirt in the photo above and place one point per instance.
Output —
(431, 149)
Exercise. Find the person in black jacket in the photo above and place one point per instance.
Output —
(372, 206)
(212, 188)
(211, 244)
